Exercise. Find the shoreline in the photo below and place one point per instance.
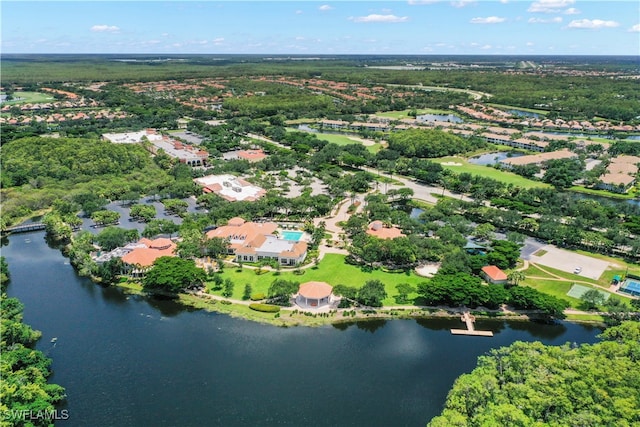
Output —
(295, 316)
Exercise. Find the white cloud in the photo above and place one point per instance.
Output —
(549, 6)
(325, 7)
(530, 44)
(105, 29)
(486, 46)
(379, 18)
(635, 29)
(299, 12)
(418, 2)
(555, 20)
(572, 11)
(462, 3)
(487, 20)
(592, 24)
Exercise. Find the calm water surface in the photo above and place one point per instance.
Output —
(135, 361)
(492, 158)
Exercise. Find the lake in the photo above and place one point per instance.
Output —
(492, 158)
(523, 113)
(139, 361)
(439, 118)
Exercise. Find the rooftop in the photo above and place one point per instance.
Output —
(315, 290)
(230, 187)
(494, 273)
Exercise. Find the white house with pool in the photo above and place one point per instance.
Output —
(255, 241)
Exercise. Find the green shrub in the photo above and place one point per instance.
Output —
(258, 296)
(265, 308)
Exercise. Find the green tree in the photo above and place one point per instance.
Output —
(173, 274)
(113, 237)
(159, 226)
(372, 293)
(248, 290)
(105, 217)
(228, 288)
(515, 277)
(143, 213)
(530, 384)
(591, 299)
(484, 231)
(404, 289)
(282, 288)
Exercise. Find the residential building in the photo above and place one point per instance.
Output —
(538, 159)
(621, 174)
(494, 275)
(253, 242)
(251, 155)
(230, 187)
(185, 153)
(139, 260)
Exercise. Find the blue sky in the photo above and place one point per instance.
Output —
(500, 27)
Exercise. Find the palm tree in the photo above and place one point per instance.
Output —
(516, 277)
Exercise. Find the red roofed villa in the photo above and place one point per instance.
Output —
(252, 242)
(141, 259)
(493, 274)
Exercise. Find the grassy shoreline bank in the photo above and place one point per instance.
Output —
(291, 316)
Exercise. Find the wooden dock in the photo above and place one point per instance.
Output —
(468, 318)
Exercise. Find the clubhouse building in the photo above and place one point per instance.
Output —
(253, 242)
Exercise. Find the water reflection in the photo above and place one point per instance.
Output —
(224, 371)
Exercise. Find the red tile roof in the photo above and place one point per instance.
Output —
(145, 256)
(494, 273)
(315, 290)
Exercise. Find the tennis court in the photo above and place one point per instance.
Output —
(631, 287)
(577, 291)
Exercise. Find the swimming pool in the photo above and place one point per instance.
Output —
(631, 287)
(293, 236)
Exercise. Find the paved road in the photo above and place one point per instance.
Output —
(420, 191)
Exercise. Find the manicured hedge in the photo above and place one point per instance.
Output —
(265, 308)
(257, 296)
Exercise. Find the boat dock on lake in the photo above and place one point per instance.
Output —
(468, 318)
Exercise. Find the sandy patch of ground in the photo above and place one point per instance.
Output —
(365, 142)
(427, 270)
(451, 164)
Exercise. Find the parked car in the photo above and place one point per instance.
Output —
(577, 270)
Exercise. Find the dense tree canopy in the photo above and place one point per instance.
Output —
(530, 384)
(67, 158)
(173, 275)
(427, 143)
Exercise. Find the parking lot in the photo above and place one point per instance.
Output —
(568, 261)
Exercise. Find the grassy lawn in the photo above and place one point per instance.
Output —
(602, 193)
(346, 140)
(332, 269)
(340, 139)
(488, 172)
(555, 288)
(585, 317)
(31, 97)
